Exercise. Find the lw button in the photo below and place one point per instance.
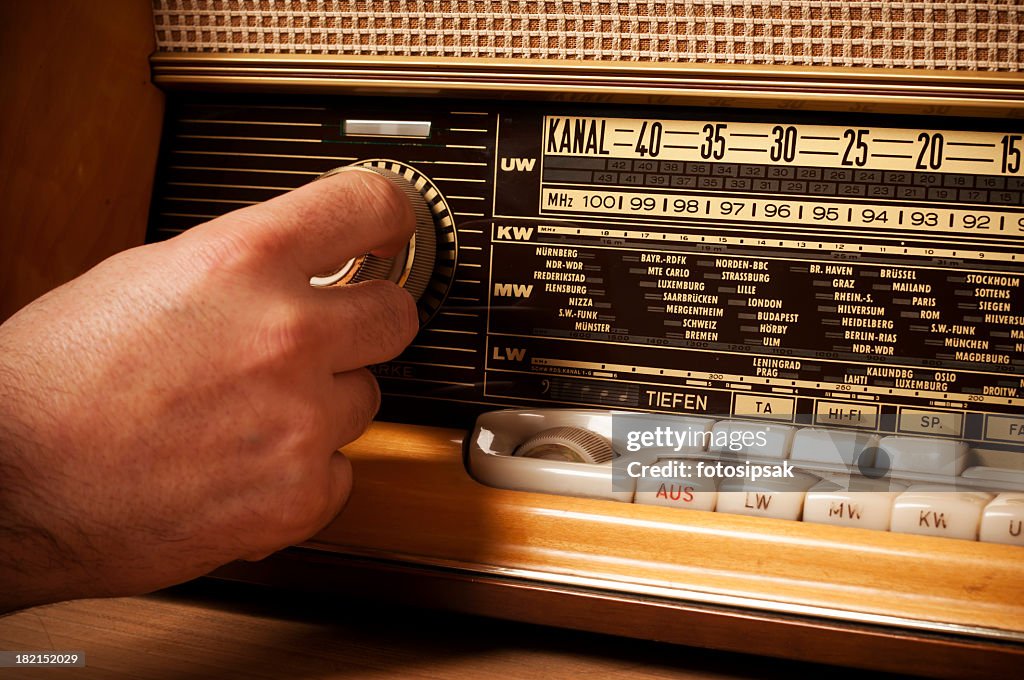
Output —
(781, 498)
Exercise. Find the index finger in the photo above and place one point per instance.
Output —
(320, 226)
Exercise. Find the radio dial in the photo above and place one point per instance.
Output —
(412, 267)
(567, 444)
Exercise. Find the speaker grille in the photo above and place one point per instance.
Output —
(934, 35)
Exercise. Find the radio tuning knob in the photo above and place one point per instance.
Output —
(568, 444)
(411, 268)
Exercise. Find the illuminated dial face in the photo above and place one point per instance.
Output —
(436, 284)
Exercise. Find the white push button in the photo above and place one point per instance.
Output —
(388, 128)
(741, 437)
(835, 447)
(781, 498)
(660, 436)
(500, 435)
(938, 510)
(1003, 520)
(854, 502)
(924, 455)
(690, 491)
(995, 474)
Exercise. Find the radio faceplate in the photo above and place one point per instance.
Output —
(834, 594)
(834, 269)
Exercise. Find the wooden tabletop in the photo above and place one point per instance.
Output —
(212, 629)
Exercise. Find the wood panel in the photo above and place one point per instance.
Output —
(219, 630)
(79, 133)
(414, 501)
(802, 638)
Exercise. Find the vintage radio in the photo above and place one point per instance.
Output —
(623, 244)
(774, 251)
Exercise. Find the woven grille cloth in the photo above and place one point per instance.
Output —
(938, 35)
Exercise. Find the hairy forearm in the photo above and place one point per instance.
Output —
(34, 565)
(27, 551)
(181, 404)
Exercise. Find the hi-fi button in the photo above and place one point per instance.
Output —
(846, 413)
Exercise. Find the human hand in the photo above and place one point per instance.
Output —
(180, 405)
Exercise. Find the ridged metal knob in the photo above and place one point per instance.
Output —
(411, 267)
(569, 444)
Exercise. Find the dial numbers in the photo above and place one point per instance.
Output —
(805, 145)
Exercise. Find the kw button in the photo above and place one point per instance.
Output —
(938, 510)
(848, 413)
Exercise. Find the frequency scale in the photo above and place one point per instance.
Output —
(683, 264)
